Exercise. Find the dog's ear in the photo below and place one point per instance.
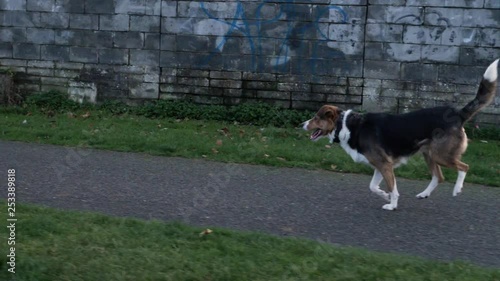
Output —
(332, 113)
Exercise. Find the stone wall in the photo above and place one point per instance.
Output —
(374, 55)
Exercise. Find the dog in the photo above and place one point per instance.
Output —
(385, 141)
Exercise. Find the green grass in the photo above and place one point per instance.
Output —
(222, 141)
(53, 245)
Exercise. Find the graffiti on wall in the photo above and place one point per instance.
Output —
(292, 32)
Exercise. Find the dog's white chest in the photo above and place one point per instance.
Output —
(344, 136)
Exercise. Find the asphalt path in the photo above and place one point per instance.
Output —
(332, 207)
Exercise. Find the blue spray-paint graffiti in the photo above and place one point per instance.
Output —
(302, 29)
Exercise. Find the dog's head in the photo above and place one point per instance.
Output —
(323, 123)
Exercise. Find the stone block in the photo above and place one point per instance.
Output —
(6, 50)
(444, 16)
(168, 42)
(459, 74)
(423, 34)
(26, 51)
(83, 54)
(100, 6)
(145, 23)
(130, 40)
(443, 54)
(13, 5)
(113, 56)
(55, 53)
(169, 8)
(82, 21)
(395, 15)
(19, 19)
(13, 34)
(54, 20)
(384, 33)
(114, 22)
(482, 18)
(40, 6)
(419, 72)
(381, 69)
(346, 32)
(152, 41)
(478, 56)
(82, 91)
(40, 35)
(144, 57)
(145, 91)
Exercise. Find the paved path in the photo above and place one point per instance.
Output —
(333, 207)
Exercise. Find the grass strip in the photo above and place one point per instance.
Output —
(54, 245)
(221, 141)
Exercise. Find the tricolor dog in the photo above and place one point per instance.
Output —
(384, 141)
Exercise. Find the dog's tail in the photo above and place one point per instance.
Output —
(485, 93)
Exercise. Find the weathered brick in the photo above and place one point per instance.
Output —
(55, 53)
(192, 43)
(346, 32)
(144, 57)
(234, 75)
(152, 41)
(85, 38)
(169, 8)
(388, 2)
(423, 34)
(344, 99)
(145, 23)
(478, 56)
(40, 6)
(495, 4)
(259, 76)
(82, 21)
(100, 6)
(225, 83)
(448, 3)
(168, 42)
(191, 73)
(193, 81)
(327, 89)
(444, 16)
(82, 54)
(40, 35)
(308, 96)
(395, 14)
(297, 87)
(49, 72)
(113, 56)
(145, 91)
(273, 95)
(26, 51)
(177, 25)
(13, 34)
(436, 53)
(54, 20)
(381, 69)
(488, 37)
(419, 72)
(114, 22)
(12, 5)
(69, 65)
(131, 39)
(19, 19)
(348, 2)
(459, 74)
(54, 81)
(482, 18)
(6, 50)
(384, 33)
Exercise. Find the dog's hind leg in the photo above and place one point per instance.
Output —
(437, 177)
(375, 185)
(462, 172)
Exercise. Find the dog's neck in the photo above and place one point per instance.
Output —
(350, 116)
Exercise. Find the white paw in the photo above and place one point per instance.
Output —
(389, 207)
(386, 196)
(423, 195)
(457, 191)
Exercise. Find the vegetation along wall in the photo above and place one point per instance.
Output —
(373, 55)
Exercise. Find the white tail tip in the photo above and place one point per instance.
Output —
(491, 73)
